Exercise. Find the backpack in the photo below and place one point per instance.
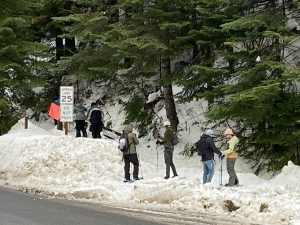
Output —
(201, 146)
(123, 143)
(175, 139)
(96, 116)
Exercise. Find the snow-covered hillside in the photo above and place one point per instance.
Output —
(48, 162)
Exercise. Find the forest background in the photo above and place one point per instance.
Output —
(240, 56)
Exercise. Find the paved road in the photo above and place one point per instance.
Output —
(18, 208)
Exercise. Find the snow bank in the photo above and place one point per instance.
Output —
(83, 168)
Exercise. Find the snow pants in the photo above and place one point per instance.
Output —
(233, 179)
(131, 158)
(169, 162)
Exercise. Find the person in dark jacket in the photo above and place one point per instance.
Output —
(80, 118)
(96, 119)
(166, 140)
(131, 155)
(93, 105)
(208, 156)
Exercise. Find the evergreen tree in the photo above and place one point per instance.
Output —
(135, 47)
(259, 98)
(50, 32)
(18, 58)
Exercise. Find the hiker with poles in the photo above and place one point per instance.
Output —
(127, 144)
(167, 141)
(231, 156)
(206, 149)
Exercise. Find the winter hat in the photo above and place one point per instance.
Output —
(167, 123)
(210, 132)
(228, 131)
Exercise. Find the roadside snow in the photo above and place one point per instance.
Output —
(49, 162)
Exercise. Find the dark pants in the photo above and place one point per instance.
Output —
(80, 127)
(233, 179)
(169, 162)
(131, 158)
(96, 129)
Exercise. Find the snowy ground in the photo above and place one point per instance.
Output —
(46, 161)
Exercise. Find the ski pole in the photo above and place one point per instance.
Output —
(142, 177)
(220, 170)
(156, 159)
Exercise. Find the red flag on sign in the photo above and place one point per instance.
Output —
(54, 111)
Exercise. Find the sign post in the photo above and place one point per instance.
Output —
(26, 119)
(66, 105)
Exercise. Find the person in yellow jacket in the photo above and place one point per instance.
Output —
(231, 156)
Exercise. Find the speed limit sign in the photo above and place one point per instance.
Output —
(66, 103)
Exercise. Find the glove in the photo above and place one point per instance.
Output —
(191, 153)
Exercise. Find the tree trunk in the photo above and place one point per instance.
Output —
(207, 52)
(168, 94)
(70, 47)
(59, 48)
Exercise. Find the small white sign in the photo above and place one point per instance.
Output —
(66, 103)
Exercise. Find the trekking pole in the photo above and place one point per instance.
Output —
(142, 177)
(220, 170)
(156, 159)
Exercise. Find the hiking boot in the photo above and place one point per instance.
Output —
(127, 181)
(166, 177)
(176, 175)
(136, 178)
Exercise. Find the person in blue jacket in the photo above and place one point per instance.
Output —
(208, 155)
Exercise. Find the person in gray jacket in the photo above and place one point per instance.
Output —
(80, 118)
(131, 155)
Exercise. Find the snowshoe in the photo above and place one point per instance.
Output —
(128, 181)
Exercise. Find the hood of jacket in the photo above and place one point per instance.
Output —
(80, 107)
(128, 129)
(205, 136)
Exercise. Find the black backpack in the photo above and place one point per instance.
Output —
(123, 143)
(201, 146)
(96, 116)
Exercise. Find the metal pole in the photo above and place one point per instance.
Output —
(156, 159)
(220, 171)
(142, 177)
